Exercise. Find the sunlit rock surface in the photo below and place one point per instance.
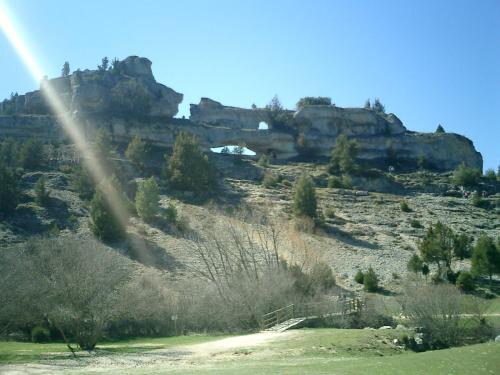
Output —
(127, 101)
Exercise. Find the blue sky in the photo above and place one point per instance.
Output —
(429, 62)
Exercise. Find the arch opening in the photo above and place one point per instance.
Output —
(233, 150)
(263, 125)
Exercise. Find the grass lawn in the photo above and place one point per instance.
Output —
(494, 306)
(474, 359)
(304, 351)
(21, 352)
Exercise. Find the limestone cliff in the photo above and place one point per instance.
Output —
(128, 101)
(127, 89)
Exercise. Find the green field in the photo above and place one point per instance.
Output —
(22, 352)
(304, 351)
(474, 359)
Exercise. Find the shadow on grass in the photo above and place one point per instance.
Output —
(149, 254)
(346, 237)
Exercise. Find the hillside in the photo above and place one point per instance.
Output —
(368, 227)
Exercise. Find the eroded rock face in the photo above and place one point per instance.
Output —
(210, 112)
(127, 90)
(332, 120)
(128, 101)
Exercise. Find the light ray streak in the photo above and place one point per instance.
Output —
(70, 125)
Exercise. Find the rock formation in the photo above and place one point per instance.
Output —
(128, 88)
(128, 101)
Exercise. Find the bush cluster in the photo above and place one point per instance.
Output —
(271, 179)
(466, 176)
(311, 100)
(304, 200)
(188, 167)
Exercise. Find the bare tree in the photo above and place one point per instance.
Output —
(438, 310)
(76, 286)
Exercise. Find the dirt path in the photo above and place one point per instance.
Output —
(171, 358)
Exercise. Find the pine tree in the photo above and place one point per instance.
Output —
(344, 154)
(103, 145)
(136, 152)
(65, 69)
(41, 193)
(82, 183)
(31, 154)
(103, 222)
(437, 246)
(378, 106)
(440, 129)
(370, 281)
(415, 264)
(104, 64)
(485, 257)
(304, 201)
(188, 167)
(147, 200)
(9, 193)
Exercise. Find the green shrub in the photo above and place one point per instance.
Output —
(370, 281)
(335, 182)
(182, 224)
(41, 193)
(346, 182)
(310, 100)
(270, 179)
(263, 161)
(477, 201)
(344, 154)
(136, 152)
(490, 174)
(462, 246)
(31, 155)
(81, 182)
(9, 192)
(359, 277)
(404, 206)
(40, 335)
(329, 213)
(147, 199)
(171, 214)
(103, 221)
(465, 281)
(188, 167)
(414, 223)
(415, 264)
(103, 145)
(304, 201)
(466, 176)
(485, 257)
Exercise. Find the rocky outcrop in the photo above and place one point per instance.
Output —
(128, 101)
(126, 90)
(354, 122)
(210, 112)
